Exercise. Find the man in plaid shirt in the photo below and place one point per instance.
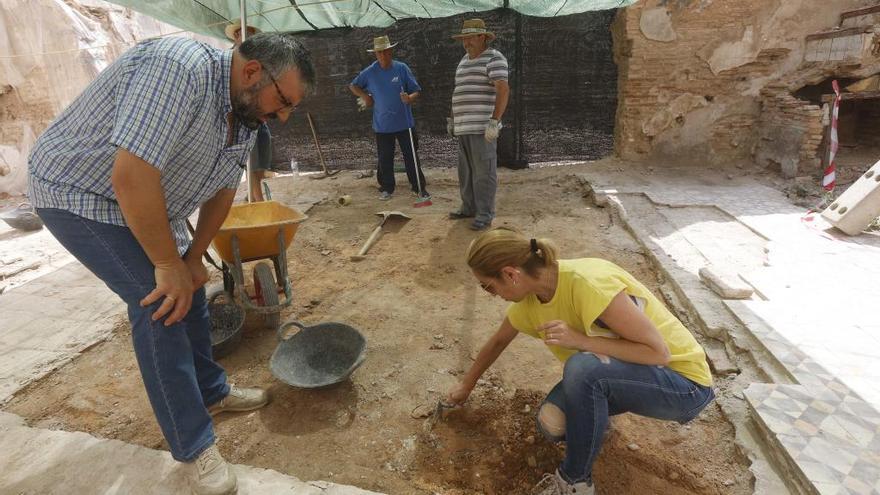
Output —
(164, 130)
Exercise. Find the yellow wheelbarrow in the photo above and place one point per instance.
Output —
(255, 231)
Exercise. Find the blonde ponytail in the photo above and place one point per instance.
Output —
(502, 246)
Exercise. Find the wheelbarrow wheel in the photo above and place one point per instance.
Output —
(267, 293)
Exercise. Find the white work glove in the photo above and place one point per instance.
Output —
(362, 104)
(450, 126)
(492, 129)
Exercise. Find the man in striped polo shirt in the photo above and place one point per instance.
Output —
(478, 102)
(163, 130)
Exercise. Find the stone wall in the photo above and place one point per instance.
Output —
(691, 75)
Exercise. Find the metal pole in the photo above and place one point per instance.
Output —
(242, 4)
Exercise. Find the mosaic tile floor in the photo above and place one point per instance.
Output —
(815, 314)
(833, 441)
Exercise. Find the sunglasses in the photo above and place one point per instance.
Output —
(487, 287)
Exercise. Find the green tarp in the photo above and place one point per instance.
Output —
(209, 17)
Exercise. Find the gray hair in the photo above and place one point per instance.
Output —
(280, 52)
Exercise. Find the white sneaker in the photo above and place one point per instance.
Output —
(241, 399)
(213, 475)
(553, 484)
(385, 196)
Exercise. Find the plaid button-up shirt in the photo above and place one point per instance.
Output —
(165, 101)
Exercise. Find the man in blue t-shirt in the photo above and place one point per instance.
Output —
(390, 88)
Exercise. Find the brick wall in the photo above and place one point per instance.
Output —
(693, 73)
(790, 131)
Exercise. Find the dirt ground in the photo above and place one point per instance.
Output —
(424, 317)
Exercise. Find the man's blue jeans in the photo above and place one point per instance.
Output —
(179, 373)
(592, 390)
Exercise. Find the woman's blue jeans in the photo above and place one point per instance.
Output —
(591, 391)
(179, 373)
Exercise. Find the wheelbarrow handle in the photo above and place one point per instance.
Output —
(282, 329)
(207, 255)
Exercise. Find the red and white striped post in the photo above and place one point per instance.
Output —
(828, 176)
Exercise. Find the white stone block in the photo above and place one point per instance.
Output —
(726, 285)
(811, 52)
(824, 50)
(839, 47)
(858, 206)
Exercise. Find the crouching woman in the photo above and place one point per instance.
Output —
(622, 349)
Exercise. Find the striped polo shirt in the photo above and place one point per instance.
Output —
(165, 101)
(473, 100)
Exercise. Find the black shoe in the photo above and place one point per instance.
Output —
(457, 215)
(480, 225)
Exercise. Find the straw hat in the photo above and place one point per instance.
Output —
(474, 27)
(235, 26)
(381, 43)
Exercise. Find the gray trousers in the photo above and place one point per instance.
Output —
(477, 176)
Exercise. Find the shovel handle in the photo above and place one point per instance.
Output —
(317, 144)
(372, 240)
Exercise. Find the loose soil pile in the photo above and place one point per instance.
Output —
(424, 317)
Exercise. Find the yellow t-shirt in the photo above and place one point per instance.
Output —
(585, 288)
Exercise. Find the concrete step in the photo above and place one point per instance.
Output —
(37, 460)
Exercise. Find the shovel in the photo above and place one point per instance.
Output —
(327, 173)
(377, 232)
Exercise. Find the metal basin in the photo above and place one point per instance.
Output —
(227, 320)
(319, 355)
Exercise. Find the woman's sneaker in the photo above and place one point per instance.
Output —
(213, 475)
(554, 484)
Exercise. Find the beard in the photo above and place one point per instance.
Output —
(245, 108)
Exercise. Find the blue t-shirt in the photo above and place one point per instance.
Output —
(385, 85)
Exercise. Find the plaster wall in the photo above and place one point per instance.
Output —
(691, 72)
(50, 50)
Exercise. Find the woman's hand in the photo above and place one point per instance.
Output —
(459, 394)
(558, 333)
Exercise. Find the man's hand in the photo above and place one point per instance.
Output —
(175, 282)
(406, 99)
(557, 332)
(459, 394)
(197, 270)
(364, 102)
(450, 126)
(492, 130)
